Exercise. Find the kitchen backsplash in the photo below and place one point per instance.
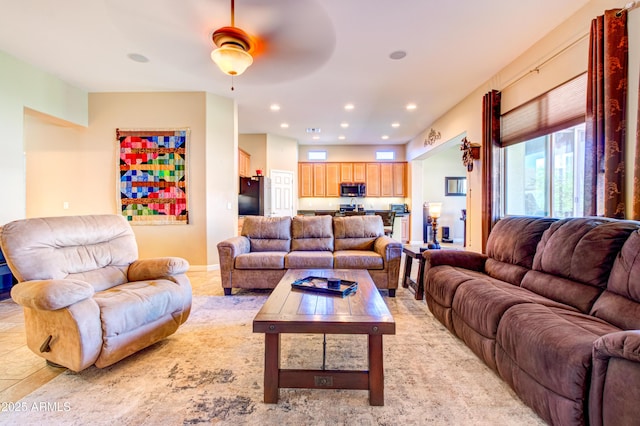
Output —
(371, 203)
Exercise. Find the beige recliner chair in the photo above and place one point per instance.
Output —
(87, 298)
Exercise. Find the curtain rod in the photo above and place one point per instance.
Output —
(628, 6)
(549, 59)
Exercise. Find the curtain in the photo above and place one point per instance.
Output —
(606, 111)
(490, 163)
(636, 171)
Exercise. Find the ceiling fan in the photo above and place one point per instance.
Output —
(233, 55)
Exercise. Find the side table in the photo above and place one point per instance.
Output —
(412, 252)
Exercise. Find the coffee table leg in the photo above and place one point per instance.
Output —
(376, 371)
(271, 367)
(420, 280)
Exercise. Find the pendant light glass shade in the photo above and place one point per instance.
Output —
(231, 60)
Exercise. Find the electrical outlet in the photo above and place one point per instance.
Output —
(65, 205)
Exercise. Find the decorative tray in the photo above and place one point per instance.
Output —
(321, 285)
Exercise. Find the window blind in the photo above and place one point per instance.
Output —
(557, 109)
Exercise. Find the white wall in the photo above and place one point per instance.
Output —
(23, 86)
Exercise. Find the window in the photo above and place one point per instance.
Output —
(544, 175)
(543, 148)
(317, 155)
(385, 155)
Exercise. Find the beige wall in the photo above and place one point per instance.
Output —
(255, 144)
(88, 178)
(351, 152)
(25, 87)
(466, 117)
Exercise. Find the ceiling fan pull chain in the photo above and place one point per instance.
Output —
(232, 88)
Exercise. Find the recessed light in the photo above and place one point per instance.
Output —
(395, 125)
(349, 107)
(284, 125)
(341, 137)
(398, 54)
(344, 124)
(315, 138)
(274, 107)
(411, 107)
(137, 57)
(385, 137)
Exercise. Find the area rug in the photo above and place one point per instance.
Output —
(210, 372)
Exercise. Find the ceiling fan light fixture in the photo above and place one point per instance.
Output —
(231, 60)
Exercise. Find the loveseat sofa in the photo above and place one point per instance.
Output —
(554, 309)
(268, 246)
(87, 298)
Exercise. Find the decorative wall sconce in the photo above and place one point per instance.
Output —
(432, 137)
(470, 152)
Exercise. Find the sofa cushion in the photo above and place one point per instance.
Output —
(309, 260)
(261, 260)
(620, 303)
(357, 232)
(357, 259)
(482, 303)
(132, 305)
(312, 233)
(550, 345)
(267, 233)
(511, 246)
(582, 249)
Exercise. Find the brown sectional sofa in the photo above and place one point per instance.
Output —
(268, 246)
(554, 309)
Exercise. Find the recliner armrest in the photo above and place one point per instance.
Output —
(621, 344)
(458, 258)
(50, 295)
(149, 269)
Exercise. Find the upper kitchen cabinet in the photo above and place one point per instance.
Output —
(373, 179)
(333, 173)
(359, 172)
(346, 172)
(305, 179)
(399, 179)
(244, 163)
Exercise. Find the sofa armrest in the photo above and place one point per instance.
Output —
(616, 364)
(50, 295)
(457, 258)
(388, 248)
(149, 269)
(228, 250)
(621, 344)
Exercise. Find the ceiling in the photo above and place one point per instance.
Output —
(315, 55)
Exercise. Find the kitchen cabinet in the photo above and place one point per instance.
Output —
(386, 180)
(333, 173)
(399, 179)
(346, 172)
(373, 179)
(383, 179)
(319, 180)
(244, 163)
(359, 172)
(305, 179)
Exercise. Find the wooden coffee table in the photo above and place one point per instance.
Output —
(297, 311)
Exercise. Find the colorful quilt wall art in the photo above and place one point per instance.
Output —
(153, 176)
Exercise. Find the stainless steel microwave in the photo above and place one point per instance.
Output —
(352, 189)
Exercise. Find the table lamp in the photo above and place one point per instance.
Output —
(434, 213)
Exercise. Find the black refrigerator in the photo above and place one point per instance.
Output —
(254, 198)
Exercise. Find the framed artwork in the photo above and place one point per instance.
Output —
(455, 186)
(153, 176)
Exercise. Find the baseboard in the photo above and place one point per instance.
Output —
(204, 268)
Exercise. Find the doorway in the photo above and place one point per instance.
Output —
(281, 193)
